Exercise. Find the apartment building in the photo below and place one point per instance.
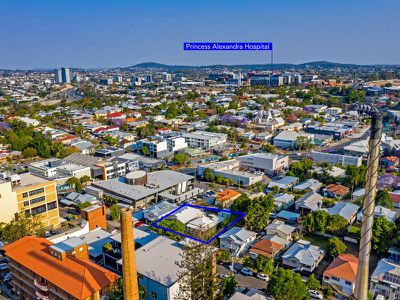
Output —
(267, 163)
(37, 196)
(204, 139)
(30, 194)
(43, 270)
(336, 159)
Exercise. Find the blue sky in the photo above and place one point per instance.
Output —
(99, 33)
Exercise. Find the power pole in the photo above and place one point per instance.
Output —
(361, 292)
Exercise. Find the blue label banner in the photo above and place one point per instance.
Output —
(227, 46)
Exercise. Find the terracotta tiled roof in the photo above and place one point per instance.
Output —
(395, 197)
(266, 248)
(344, 266)
(78, 277)
(226, 195)
(338, 189)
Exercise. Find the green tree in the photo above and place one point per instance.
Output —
(208, 175)
(383, 233)
(29, 152)
(224, 256)
(84, 179)
(263, 264)
(383, 199)
(174, 225)
(76, 183)
(335, 247)
(145, 151)
(313, 283)
(269, 148)
(227, 286)
(336, 224)
(303, 143)
(110, 200)
(196, 272)
(20, 226)
(114, 212)
(219, 179)
(83, 205)
(181, 159)
(287, 285)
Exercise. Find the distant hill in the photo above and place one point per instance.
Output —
(278, 66)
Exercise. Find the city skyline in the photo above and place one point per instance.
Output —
(43, 34)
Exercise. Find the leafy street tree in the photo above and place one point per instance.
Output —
(20, 226)
(84, 179)
(208, 175)
(29, 152)
(321, 221)
(145, 151)
(181, 159)
(313, 283)
(303, 143)
(383, 199)
(196, 270)
(301, 169)
(269, 148)
(224, 256)
(263, 264)
(335, 247)
(287, 285)
(227, 286)
(383, 233)
(114, 212)
(109, 200)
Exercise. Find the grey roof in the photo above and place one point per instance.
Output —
(284, 198)
(238, 235)
(311, 184)
(346, 209)
(304, 252)
(82, 159)
(385, 267)
(158, 260)
(68, 244)
(157, 182)
(311, 200)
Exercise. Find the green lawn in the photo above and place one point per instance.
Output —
(316, 240)
(354, 232)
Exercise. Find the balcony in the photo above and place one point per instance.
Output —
(41, 285)
(42, 295)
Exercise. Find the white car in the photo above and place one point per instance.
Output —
(247, 272)
(262, 276)
(315, 294)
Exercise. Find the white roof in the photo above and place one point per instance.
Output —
(304, 252)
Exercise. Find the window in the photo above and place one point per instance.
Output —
(38, 210)
(348, 282)
(37, 191)
(24, 195)
(37, 200)
(154, 295)
(52, 205)
(26, 203)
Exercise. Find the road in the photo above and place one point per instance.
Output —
(244, 281)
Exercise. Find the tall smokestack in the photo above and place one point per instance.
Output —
(130, 280)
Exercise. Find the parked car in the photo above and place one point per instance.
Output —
(7, 278)
(247, 272)
(315, 294)
(262, 276)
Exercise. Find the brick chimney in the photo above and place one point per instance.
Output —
(129, 273)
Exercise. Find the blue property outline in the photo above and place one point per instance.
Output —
(214, 209)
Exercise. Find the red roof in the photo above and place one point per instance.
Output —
(116, 115)
(78, 277)
(266, 248)
(344, 266)
(395, 197)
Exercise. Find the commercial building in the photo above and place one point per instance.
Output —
(204, 139)
(267, 163)
(336, 159)
(8, 202)
(43, 270)
(288, 139)
(230, 169)
(139, 188)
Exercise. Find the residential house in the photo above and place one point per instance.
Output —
(283, 201)
(264, 247)
(385, 280)
(282, 230)
(158, 210)
(226, 197)
(345, 209)
(237, 240)
(303, 256)
(284, 183)
(252, 294)
(309, 185)
(336, 190)
(309, 202)
(342, 273)
(381, 211)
